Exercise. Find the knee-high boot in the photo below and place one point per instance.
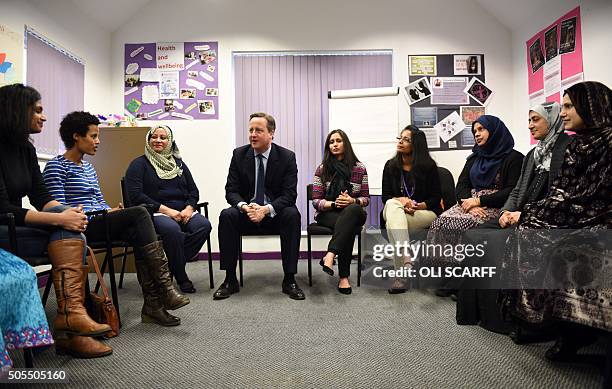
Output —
(155, 260)
(152, 309)
(66, 257)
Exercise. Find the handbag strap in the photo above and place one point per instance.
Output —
(92, 259)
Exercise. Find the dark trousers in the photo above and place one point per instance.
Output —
(477, 300)
(182, 241)
(133, 225)
(346, 223)
(286, 223)
(33, 241)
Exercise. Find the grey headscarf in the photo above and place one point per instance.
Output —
(543, 150)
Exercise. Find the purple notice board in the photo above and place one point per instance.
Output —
(196, 95)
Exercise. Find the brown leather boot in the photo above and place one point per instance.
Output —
(152, 309)
(156, 261)
(66, 257)
(81, 347)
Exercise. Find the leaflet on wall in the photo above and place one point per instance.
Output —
(170, 55)
(551, 43)
(450, 126)
(431, 135)
(479, 91)
(424, 116)
(465, 65)
(149, 75)
(568, 36)
(422, 65)
(418, 90)
(11, 56)
(537, 98)
(575, 79)
(467, 137)
(536, 56)
(552, 78)
(449, 91)
(150, 94)
(471, 113)
(169, 85)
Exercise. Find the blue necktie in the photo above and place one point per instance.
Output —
(260, 190)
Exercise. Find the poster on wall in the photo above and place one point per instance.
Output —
(172, 80)
(444, 103)
(11, 56)
(554, 59)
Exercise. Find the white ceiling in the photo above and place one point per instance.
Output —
(112, 14)
(514, 13)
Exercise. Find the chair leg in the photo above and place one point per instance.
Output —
(359, 259)
(48, 284)
(125, 250)
(28, 357)
(309, 259)
(210, 265)
(240, 262)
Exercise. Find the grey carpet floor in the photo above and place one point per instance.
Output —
(259, 338)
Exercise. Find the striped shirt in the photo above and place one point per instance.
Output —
(73, 184)
(359, 187)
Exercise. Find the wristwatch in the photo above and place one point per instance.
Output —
(333, 205)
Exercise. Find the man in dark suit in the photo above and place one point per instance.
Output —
(261, 189)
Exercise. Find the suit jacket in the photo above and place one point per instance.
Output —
(281, 177)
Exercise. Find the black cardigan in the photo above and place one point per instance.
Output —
(510, 171)
(20, 176)
(425, 190)
(144, 185)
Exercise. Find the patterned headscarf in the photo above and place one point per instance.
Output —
(164, 162)
(490, 156)
(543, 150)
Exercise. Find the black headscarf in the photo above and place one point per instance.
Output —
(490, 156)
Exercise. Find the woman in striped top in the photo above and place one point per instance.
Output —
(74, 182)
(340, 192)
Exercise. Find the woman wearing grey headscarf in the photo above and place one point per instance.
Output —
(541, 165)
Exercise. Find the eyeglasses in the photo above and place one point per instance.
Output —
(403, 140)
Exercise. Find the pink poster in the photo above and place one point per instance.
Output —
(554, 58)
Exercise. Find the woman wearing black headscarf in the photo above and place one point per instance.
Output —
(489, 175)
(579, 199)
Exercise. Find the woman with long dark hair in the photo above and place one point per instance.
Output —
(340, 192)
(51, 228)
(410, 192)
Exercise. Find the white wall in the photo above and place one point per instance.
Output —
(596, 50)
(62, 23)
(406, 27)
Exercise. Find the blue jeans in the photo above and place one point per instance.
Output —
(33, 241)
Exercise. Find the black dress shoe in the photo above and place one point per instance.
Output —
(326, 269)
(294, 291)
(225, 290)
(444, 292)
(348, 290)
(187, 287)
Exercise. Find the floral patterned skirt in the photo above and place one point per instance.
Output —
(22, 318)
